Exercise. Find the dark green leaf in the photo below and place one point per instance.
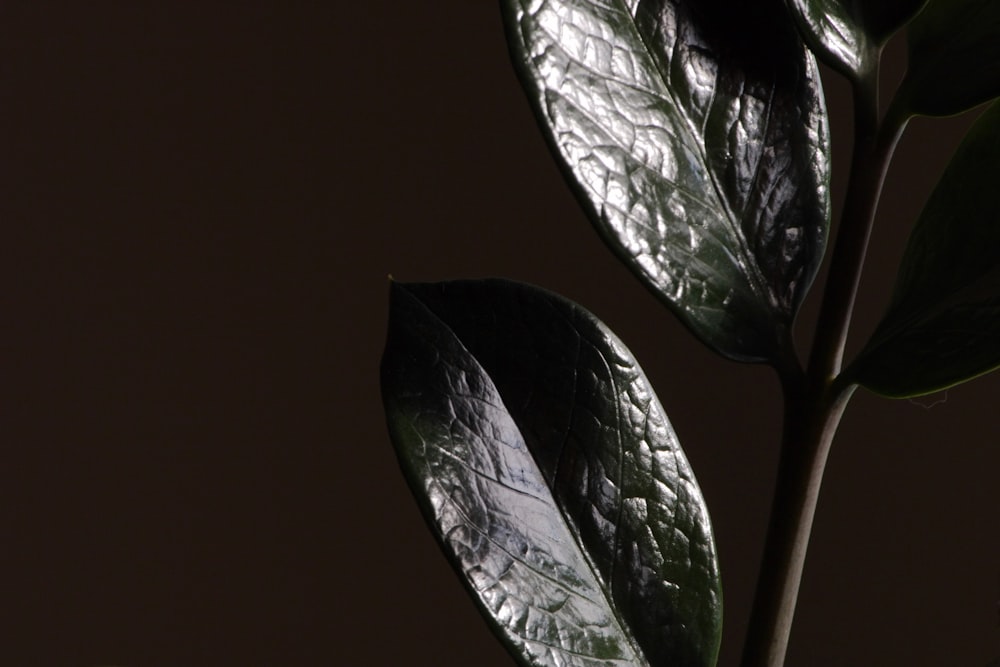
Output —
(835, 32)
(954, 57)
(694, 133)
(882, 18)
(550, 474)
(848, 34)
(943, 324)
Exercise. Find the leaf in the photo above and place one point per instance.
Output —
(882, 18)
(943, 324)
(954, 61)
(548, 471)
(848, 35)
(694, 133)
(836, 35)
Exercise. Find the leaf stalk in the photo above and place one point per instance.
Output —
(874, 144)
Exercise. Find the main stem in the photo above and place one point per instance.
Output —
(815, 401)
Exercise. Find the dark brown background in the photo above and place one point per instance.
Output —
(200, 204)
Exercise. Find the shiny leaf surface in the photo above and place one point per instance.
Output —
(848, 34)
(835, 33)
(546, 467)
(954, 60)
(695, 135)
(943, 325)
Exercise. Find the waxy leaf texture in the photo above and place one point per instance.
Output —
(695, 135)
(548, 471)
(847, 34)
(834, 32)
(943, 324)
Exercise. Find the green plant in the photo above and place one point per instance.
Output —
(694, 133)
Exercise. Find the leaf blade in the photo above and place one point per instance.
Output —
(954, 57)
(708, 179)
(835, 33)
(558, 449)
(946, 304)
(849, 36)
(491, 552)
(884, 17)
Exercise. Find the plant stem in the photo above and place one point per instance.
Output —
(815, 403)
(810, 425)
(873, 148)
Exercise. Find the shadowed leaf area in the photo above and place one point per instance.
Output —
(943, 323)
(954, 61)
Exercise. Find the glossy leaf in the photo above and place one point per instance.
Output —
(836, 34)
(546, 467)
(954, 61)
(695, 135)
(847, 34)
(943, 324)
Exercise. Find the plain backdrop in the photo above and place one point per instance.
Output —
(200, 204)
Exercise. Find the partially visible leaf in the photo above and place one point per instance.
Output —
(695, 135)
(847, 34)
(882, 18)
(550, 474)
(943, 324)
(954, 61)
(835, 33)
